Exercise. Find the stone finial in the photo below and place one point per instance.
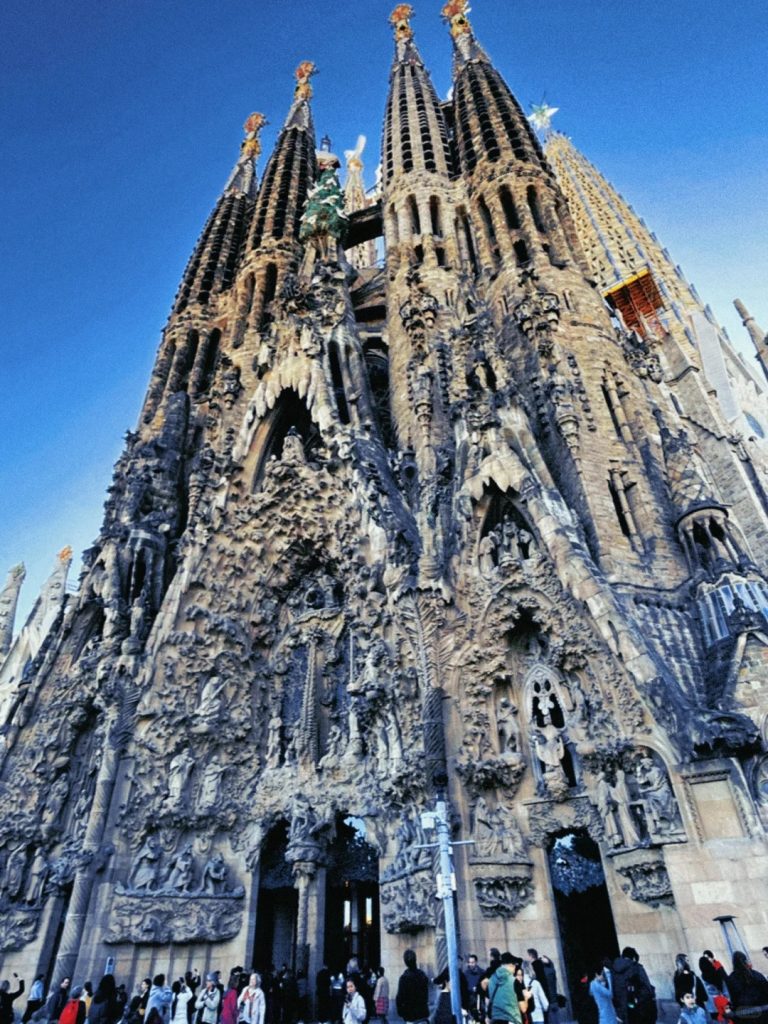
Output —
(9, 596)
(750, 323)
(65, 555)
(455, 13)
(251, 146)
(400, 19)
(304, 72)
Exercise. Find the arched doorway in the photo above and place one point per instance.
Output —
(276, 911)
(352, 898)
(584, 914)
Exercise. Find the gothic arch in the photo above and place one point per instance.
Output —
(290, 415)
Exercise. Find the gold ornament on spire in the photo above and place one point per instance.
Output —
(65, 555)
(400, 18)
(455, 13)
(304, 72)
(251, 143)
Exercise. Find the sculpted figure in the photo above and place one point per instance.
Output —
(484, 831)
(146, 866)
(208, 711)
(14, 871)
(178, 774)
(180, 873)
(622, 797)
(274, 741)
(37, 876)
(214, 875)
(605, 802)
(506, 726)
(55, 801)
(486, 551)
(209, 786)
(657, 793)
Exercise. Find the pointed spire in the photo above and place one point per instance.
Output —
(756, 334)
(355, 198)
(300, 114)
(405, 47)
(243, 176)
(465, 45)
(9, 598)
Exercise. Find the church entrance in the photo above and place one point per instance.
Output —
(584, 915)
(352, 899)
(275, 938)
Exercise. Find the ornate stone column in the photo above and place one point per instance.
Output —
(303, 874)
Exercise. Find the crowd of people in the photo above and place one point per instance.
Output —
(509, 990)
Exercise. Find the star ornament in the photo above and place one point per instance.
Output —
(541, 116)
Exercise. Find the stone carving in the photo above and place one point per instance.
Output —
(209, 711)
(641, 357)
(17, 928)
(148, 879)
(165, 920)
(38, 874)
(210, 781)
(613, 804)
(496, 833)
(646, 877)
(408, 903)
(145, 872)
(178, 774)
(504, 894)
(661, 808)
(180, 870)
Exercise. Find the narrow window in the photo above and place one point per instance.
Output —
(509, 208)
(270, 288)
(413, 210)
(338, 382)
(533, 205)
(490, 231)
(521, 252)
(434, 214)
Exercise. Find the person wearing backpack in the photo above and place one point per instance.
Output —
(503, 1007)
(74, 1009)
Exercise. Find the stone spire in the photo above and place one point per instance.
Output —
(213, 263)
(290, 171)
(9, 599)
(415, 136)
(757, 335)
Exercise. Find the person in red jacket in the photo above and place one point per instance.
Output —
(74, 1009)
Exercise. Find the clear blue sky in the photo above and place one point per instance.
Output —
(121, 120)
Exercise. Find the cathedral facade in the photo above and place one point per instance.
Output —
(454, 528)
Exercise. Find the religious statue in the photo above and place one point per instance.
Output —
(274, 740)
(56, 797)
(209, 785)
(487, 552)
(180, 870)
(144, 874)
(178, 774)
(214, 875)
(605, 801)
(627, 823)
(506, 726)
(657, 794)
(38, 873)
(14, 871)
(208, 711)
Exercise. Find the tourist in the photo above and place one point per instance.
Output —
(474, 974)
(712, 971)
(540, 1002)
(182, 997)
(209, 1000)
(159, 998)
(633, 995)
(87, 996)
(381, 995)
(229, 1010)
(686, 981)
(36, 998)
(412, 999)
(338, 995)
(544, 971)
(601, 990)
(74, 1008)
(494, 963)
(252, 1002)
(503, 1002)
(105, 1008)
(323, 994)
(443, 1012)
(355, 1011)
(7, 999)
(690, 1012)
(523, 993)
(749, 991)
(55, 1003)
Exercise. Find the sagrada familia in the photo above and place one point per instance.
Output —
(456, 492)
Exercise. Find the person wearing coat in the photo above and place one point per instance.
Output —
(182, 994)
(209, 999)
(686, 981)
(355, 1010)
(252, 1002)
(502, 997)
(601, 990)
(7, 998)
(105, 1008)
(749, 991)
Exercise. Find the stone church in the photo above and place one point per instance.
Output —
(456, 525)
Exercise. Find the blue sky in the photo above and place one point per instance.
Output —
(121, 120)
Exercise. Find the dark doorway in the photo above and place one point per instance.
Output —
(276, 910)
(584, 915)
(352, 899)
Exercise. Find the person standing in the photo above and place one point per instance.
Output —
(182, 996)
(503, 1004)
(355, 1011)
(7, 999)
(36, 998)
(690, 1012)
(601, 990)
(381, 995)
(686, 981)
(229, 1002)
(412, 999)
(473, 974)
(749, 991)
(323, 994)
(74, 1008)
(524, 995)
(540, 1003)
(252, 1001)
(104, 1006)
(545, 973)
(209, 1000)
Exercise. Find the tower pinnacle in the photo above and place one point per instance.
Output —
(400, 19)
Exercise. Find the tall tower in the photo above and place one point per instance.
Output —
(386, 539)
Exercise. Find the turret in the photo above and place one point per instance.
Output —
(356, 198)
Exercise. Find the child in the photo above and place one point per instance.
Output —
(691, 1013)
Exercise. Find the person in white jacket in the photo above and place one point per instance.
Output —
(251, 1001)
(181, 996)
(208, 1000)
(354, 1005)
(540, 1001)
